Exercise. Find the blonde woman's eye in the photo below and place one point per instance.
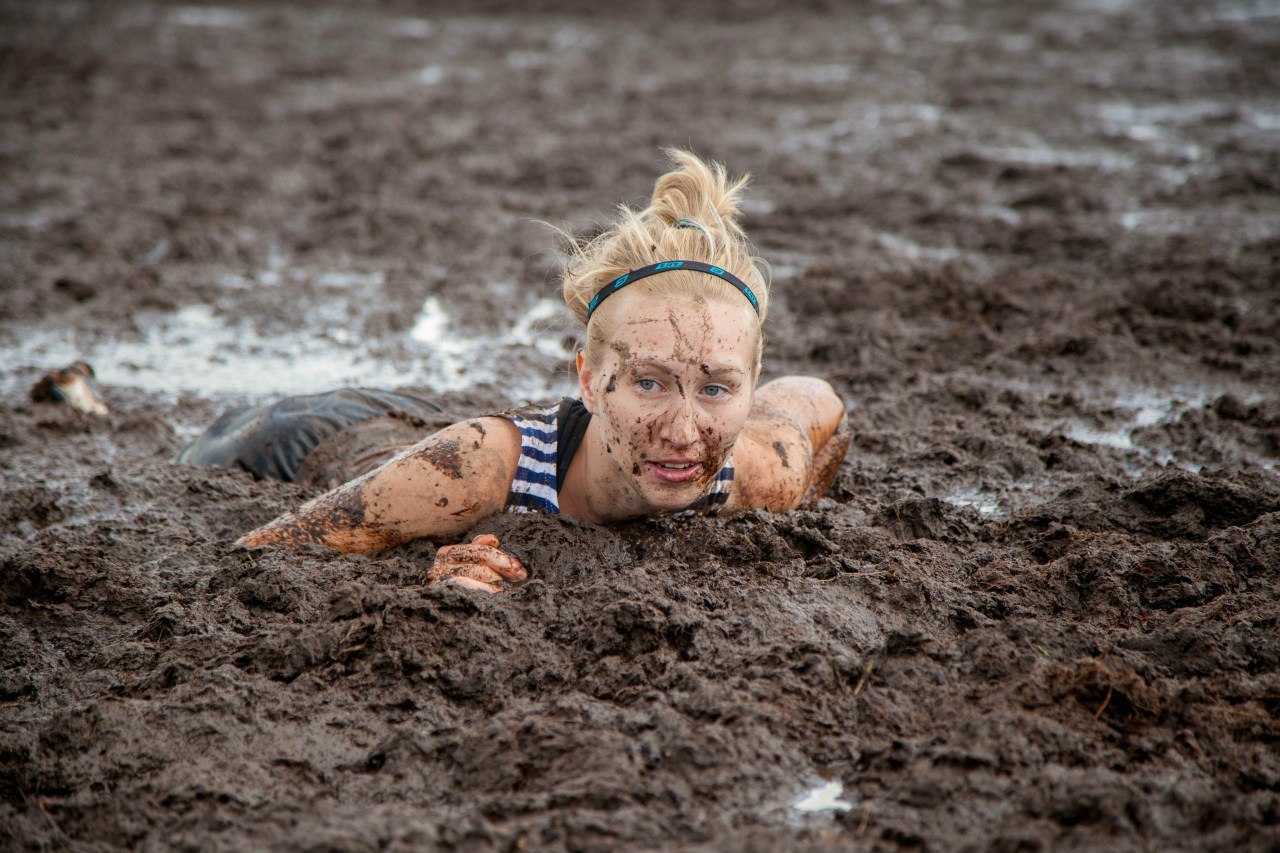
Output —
(648, 385)
(715, 390)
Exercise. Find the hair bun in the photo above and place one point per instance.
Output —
(700, 192)
(692, 216)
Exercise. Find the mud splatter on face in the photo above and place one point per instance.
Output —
(684, 348)
(625, 356)
(679, 344)
(613, 384)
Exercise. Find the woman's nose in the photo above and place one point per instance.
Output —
(681, 427)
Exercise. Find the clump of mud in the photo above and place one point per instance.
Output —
(1035, 249)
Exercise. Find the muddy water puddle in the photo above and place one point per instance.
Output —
(986, 504)
(211, 353)
(824, 798)
(1128, 421)
(1142, 428)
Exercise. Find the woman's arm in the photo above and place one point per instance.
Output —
(791, 448)
(439, 488)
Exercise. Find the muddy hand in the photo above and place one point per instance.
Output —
(479, 565)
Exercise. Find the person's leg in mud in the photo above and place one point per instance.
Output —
(319, 440)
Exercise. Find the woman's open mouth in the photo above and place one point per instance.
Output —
(675, 470)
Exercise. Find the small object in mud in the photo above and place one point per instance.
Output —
(72, 385)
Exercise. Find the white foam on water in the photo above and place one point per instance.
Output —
(200, 351)
(196, 351)
(429, 76)
(40, 217)
(861, 127)
(1122, 113)
(327, 94)
(1246, 11)
(215, 17)
(984, 503)
(416, 28)
(1108, 7)
(545, 327)
(1109, 161)
(1001, 213)
(1242, 225)
(813, 74)
(782, 272)
(573, 36)
(1158, 221)
(461, 360)
(522, 60)
(1016, 42)
(758, 205)
(452, 352)
(1264, 120)
(275, 271)
(914, 251)
(348, 279)
(826, 797)
(1149, 406)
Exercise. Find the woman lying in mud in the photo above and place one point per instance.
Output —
(670, 418)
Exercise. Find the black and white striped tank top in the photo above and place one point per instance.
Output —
(548, 440)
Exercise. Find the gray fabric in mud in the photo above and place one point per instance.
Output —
(272, 440)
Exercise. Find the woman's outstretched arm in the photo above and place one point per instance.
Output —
(438, 488)
(792, 446)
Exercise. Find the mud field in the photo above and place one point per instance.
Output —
(1035, 248)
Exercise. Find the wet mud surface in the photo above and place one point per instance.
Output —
(1035, 248)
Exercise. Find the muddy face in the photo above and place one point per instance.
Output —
(671, 394)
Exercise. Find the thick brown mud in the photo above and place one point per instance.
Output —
(1035, 246)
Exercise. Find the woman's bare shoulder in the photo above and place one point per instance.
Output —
(489, 434)
(471, 462)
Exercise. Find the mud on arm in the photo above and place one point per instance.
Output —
(439, 488)
(795, 440)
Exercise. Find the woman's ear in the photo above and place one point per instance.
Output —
(584, 383)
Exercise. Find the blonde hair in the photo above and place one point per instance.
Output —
(703, 201)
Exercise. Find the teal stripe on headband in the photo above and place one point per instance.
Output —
(670, 266)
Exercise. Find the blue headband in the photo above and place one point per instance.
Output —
(669, 266)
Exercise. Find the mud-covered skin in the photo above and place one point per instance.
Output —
(826, 462)
(437, 489)
(444, 456)
(990, 224)
(329, 520)
(479, 565)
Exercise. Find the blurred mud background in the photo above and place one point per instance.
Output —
(1034, 245)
